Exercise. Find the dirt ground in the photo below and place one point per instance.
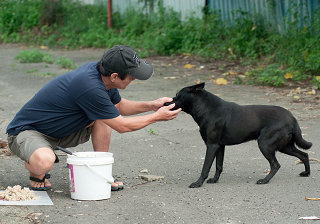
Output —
(171, 149)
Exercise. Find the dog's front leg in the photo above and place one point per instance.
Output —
(210, 154)
(219, 165)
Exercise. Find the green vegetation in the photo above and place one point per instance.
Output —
(30, 56)
(47, 74)
(31, 71)
(152, 132)
(249, 40)
(65, 63)
(36, 56)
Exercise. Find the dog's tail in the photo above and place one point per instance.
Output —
(297, 136)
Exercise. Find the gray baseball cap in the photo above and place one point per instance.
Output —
(123, 59)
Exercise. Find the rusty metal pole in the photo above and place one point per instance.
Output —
(109, 14)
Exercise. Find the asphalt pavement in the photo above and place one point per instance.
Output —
(172, 149)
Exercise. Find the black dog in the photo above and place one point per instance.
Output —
(226, 123)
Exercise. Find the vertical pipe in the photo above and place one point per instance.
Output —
(109, 14)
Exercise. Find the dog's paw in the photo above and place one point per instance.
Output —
(195, 185)
(304, 174)
(262, 181)
(212, 181)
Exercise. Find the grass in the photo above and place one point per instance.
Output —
(66, 63)
(32, 71)
(36, 56)
(152, 132)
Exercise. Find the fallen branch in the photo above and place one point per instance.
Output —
(310, 159)
(313, 199)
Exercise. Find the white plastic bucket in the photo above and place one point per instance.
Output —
(90, 175)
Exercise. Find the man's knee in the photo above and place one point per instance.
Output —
(42, 158)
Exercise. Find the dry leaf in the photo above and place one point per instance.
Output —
(170, 64)
(297, 90)
(232, 73)
(313, 92)
(44, 47)
(189, 66)
(197, 81)
(230, 50)
(170, 77)
(187, 54)
(296, 97)
(221, 81)
(318, 78)
(3, 143)
(288, 76)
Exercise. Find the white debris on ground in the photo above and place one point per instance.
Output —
(16, 193)
(151, 177)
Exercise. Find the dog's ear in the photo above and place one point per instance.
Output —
(195, 88)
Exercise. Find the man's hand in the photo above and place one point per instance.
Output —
(165, 113)
(157, 104)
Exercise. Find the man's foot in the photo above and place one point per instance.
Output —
(116, 185)
(40, 182)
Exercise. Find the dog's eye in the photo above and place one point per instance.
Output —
(177, 94)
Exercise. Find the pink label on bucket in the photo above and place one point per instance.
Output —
(71, 178)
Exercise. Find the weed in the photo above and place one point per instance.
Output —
(48, 58)
(239, 81)
(222, 68)
(271, 75)
(30, 56)
(32, 71)
(47, 74)
(65, 63)
(316, 81)
(152, 132)
(34, 56)
(13, 67)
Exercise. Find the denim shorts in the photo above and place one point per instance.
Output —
(28, 141)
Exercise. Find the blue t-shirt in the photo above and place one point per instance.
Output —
(67, 104)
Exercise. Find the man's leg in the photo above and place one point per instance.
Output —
(100, 136)
(33, 147)
(40, 162)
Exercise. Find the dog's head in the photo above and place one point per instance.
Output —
(185, 96)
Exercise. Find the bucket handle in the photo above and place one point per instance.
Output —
(108, 180)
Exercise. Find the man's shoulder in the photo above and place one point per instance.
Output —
(89, 66)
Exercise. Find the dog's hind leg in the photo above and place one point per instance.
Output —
(274, 167)
(210, 155)
(293, 151)
(219, 165)
(270, 154)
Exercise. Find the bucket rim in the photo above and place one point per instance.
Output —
(91, 154)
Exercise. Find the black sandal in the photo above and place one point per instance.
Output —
(46, 176)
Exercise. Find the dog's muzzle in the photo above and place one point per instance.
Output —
(168, 103)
